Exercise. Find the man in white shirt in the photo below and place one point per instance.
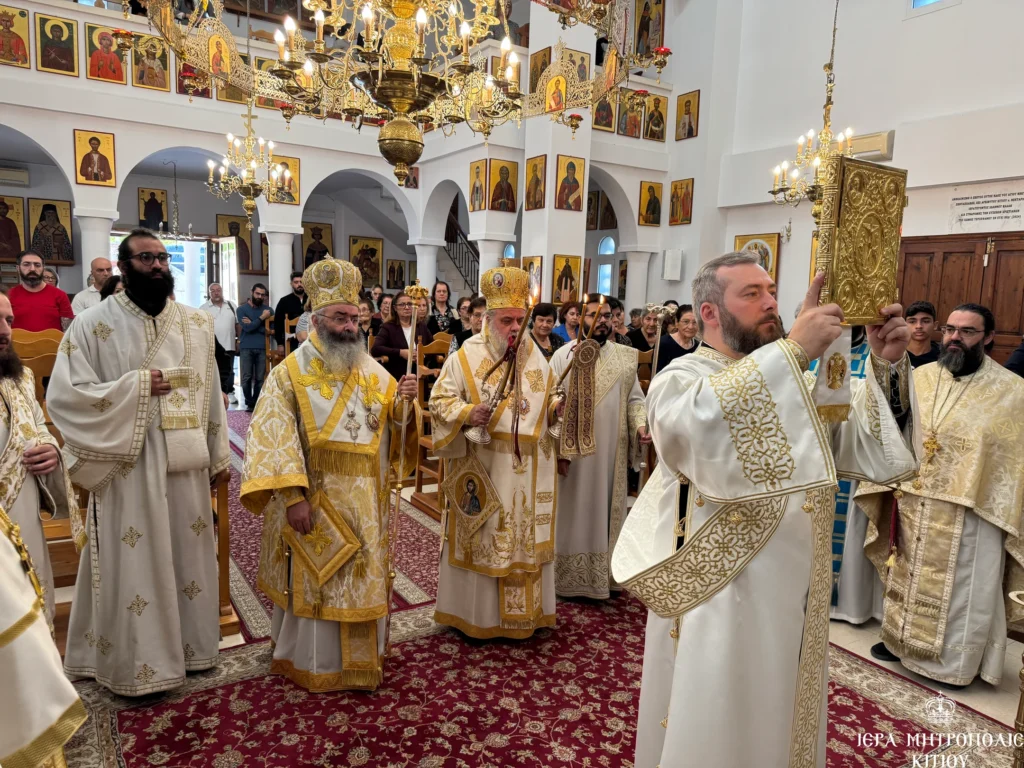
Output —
(226, 332)
(99, 270)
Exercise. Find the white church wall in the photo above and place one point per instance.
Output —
(948, 84)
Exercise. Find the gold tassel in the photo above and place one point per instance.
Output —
(318, 606)
(359, 569)
(891, 562)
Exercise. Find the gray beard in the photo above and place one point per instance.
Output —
(496, 342)
(340, 352)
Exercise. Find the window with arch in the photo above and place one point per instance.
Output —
(606, 247)
(510, 251)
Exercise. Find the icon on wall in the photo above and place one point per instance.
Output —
(94, 158)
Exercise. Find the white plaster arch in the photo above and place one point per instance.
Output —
(62, 160)
(625, 213)
(319, 166)
(435, 211)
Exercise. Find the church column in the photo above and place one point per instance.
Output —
(637, 263)
(491, 252)
(426, 263)
(94, 237)
(280, 260)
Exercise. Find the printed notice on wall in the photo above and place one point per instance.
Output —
(987, 207)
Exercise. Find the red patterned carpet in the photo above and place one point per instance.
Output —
(567, 697)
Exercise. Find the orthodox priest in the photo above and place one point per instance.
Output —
(321, 447)
(955, 549)
(39, 709)
(735, 661)
(136, 395)
(496, 577)
(34, 476)
(604, 432)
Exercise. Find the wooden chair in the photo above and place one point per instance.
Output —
(35, 343)
(644, 362)
(229, 624)
(427, 465)
(445, 337)
(268, 340)
(383, 359)
(42, 368)
(290, 325)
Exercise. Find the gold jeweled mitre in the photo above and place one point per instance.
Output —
(505, 288)
(332, 281)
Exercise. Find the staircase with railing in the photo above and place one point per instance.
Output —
(463, 252)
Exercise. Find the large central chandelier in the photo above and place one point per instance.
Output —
(404, 63)
(790, 187)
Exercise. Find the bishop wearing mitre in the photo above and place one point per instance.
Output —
(136, 396)
(496, 577)
(39, 709)
(736, 651)
(603, 434)
(322, 444)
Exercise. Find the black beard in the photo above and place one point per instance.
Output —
(747, 340)
(960, 360)
(32, 280)
(299, 291)
(257, 302)
(600, 335)
(148, 292)
(10, 364)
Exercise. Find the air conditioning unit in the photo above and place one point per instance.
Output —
(672, 265)
(13, 177)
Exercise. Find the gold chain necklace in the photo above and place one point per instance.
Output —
(931, 442)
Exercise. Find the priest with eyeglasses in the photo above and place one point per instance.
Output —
(136, 396)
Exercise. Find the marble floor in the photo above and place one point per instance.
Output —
(999, 703)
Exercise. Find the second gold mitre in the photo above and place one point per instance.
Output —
(505, 288)
(332, 281)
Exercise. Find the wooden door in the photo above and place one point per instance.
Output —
(1003, 293)
(949, 270)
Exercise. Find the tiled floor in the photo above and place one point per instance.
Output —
(999, 703)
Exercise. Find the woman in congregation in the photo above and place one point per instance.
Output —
(541, 330)
(384, 314)
(682, 341)
(569, 315)
(397, 337)
(442, 318)
(368, 325)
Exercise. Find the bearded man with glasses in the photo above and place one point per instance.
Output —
(956, 537)
(136, 396)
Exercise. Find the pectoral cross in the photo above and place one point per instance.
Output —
(931, 446)
(352, 426)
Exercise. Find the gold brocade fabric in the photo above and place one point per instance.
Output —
(973, 460)
(515, 498)
(578, 426)
(19, 398)
(294, 446)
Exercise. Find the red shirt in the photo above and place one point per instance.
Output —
(39, 311)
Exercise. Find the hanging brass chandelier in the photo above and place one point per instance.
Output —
(248, 170)
(406, 63)
(802, 181)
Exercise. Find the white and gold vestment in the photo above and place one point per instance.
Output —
(496, 577)
(958, 542)
(332, 440)
(735, 661)
(23, 496)
(146, 608)
(39, 709)
(592, 504)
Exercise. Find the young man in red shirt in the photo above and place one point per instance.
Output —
(38, 306)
